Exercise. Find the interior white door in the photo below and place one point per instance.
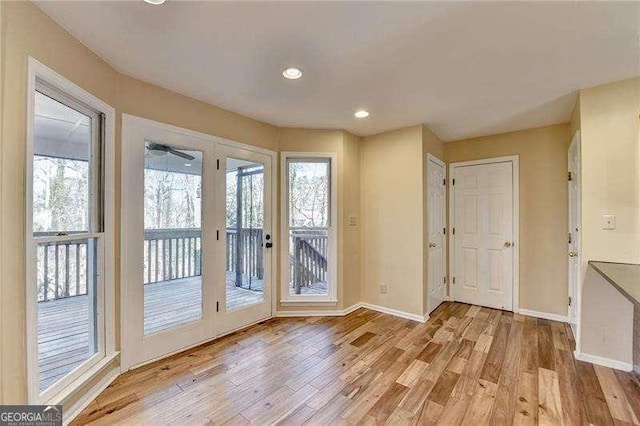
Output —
(246, 239)
(168, 240)
(436, 205)
(573, 234)
(484, 235)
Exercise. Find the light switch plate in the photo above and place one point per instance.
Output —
(352, 220)
(608, 221)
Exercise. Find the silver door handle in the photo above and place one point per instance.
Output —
(508, 244)
(433, 245)
(573, 254)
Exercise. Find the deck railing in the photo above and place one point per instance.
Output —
(62, 268)
(171, 254)
(308, 263)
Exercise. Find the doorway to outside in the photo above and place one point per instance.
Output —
(197, 237)
(484, 232)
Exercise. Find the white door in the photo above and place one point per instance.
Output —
(573, 235)
(483, 234)
(436, 204)
(168, 240)
(246, 238)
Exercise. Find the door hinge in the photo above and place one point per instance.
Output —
(454, 181)
(217, 306)
(444, 280)
(570, 176)
(444, 181)
(217, 235)
(444, 231)
(453, 280)
(569, 300)
(569, 235)
(217, 164)
(453, 230)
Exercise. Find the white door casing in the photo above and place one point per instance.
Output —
(484, 232)
(436, 244)
(573, 232)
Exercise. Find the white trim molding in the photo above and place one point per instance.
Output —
(354, 307)
(544, 315)
(605, 362)
(332, 273)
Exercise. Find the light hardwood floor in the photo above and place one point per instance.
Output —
(466, 365)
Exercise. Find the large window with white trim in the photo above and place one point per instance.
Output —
(66, 279)
(309, 232)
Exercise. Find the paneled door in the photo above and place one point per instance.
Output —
(484, 234)
(436, 205)
(245, 236)
(168, 240)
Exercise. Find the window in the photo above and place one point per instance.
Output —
(66, 240)
(309, 232)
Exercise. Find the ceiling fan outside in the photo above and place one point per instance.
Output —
(160, 149)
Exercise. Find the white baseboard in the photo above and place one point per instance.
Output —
(90, 395)
(544, 315)
(319, 313)
(346, 311)
(395, 312)
(605, 362)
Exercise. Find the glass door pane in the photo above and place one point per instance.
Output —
(245, 195)
(172, 237)
(309, 221)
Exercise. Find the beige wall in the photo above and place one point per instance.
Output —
(543, 208)
(347, 148)
(392, 219)
(611, 171)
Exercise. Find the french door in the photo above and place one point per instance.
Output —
(196, 219)
(484, 233)
(244, 267)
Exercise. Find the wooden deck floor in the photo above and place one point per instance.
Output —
(467, 365)
(63, 330)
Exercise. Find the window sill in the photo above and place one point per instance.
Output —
(308, 302)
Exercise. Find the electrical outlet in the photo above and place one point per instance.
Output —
(383, 288)
(608, 221)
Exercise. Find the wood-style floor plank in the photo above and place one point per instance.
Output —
(466, 365)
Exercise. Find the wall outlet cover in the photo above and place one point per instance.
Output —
(383, 288)
(609, 221)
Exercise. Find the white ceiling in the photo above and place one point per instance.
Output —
(463, 68)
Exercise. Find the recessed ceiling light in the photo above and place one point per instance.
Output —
(154, 2)
(361, 114)
(292, 73)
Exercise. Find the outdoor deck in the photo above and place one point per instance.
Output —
(63, 332)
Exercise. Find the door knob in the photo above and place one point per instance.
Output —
(432, 245)
(268, 245)
(508, 244)
(573, 254)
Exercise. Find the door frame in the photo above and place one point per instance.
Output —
(573, 285)
(124, 282)
(431, 157)
(515, 162)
